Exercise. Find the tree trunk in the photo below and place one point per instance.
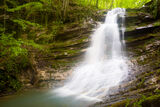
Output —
(97, 3)
(111, 4)
(4, 19)
(153, 7)
(158, 8)
(65, 8)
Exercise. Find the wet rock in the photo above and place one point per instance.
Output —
(141, 31)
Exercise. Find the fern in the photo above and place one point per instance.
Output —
(24, 23)
(10, 46)
(33, 44)
(30, 5)
(13, 2)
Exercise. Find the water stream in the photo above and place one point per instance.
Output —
(104, 67)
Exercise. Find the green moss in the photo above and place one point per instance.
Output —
(59, 44)
(141, 83)
(62, 64)
(120, 104)
(157, 91)
(140, 102)
(65, 52)
(158, 71)
(138, 38)
(148, 101)
(124, 103)
(149, 73)
(157, 23)
(154, 97)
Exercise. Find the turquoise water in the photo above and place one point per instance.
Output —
(42, 99)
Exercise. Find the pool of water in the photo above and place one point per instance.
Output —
(43, 99)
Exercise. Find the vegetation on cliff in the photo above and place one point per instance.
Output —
(29, 25)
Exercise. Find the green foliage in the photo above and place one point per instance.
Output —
(31, 5)
(108, 4)
(139, 103)
(33, 44)
(154, 8)
(1, 28)
(24, 23)
(157, 23)
(13, 59)
(10, 46)
(8, 82)
(143, 101)
(120, 104)
(130, 3)
(127, 102)
(141, 84)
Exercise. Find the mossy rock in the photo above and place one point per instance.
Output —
(152, 101)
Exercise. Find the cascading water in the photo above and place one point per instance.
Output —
(104, 65)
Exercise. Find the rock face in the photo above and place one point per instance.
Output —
(53, 66)
(143, 47)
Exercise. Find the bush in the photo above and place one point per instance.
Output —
(13, 59)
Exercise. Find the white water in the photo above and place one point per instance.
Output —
(104, 65)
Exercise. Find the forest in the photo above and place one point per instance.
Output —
(41, 39)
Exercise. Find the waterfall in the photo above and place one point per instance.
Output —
(104, 65)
